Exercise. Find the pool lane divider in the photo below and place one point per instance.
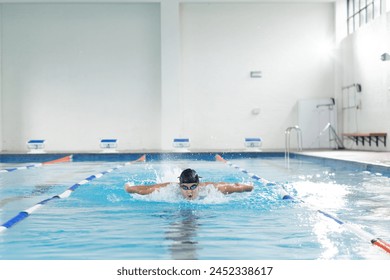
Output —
(59, 160)
(263, 181)
(24, 214)
(351, 227)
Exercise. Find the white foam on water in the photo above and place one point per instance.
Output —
(323, 195)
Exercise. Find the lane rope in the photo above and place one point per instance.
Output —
(60, 160)
(364, 235)
(263, 181)
(27, 212)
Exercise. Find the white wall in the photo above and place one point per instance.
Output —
(223, 43)
(170, 71)
(360, 63)
(76, 73)
(146, 73)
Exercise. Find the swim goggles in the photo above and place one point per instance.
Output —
(187, 188)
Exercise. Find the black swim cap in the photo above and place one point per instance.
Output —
(189, 176)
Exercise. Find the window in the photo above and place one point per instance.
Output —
(360, 12)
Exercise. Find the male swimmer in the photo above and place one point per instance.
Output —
(189, 186)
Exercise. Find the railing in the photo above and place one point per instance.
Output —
(287, 133)
(333, 137)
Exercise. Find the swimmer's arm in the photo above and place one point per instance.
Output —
(142, 189)
(228, 188)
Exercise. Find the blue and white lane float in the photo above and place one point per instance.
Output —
(24, 214)
(63, 159)
(352, 227)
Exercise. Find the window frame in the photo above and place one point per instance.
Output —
(361, 12)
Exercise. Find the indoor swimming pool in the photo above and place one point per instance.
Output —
(99, 220)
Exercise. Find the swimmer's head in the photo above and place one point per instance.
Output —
(189, 182)
(189, 176)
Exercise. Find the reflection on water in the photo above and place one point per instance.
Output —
(36, 191)
(182, 233)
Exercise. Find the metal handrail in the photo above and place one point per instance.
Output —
(287, 133)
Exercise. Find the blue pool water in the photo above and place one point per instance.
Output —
(101, 221)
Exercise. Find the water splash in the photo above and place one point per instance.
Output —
(324, 195)
(172, 194)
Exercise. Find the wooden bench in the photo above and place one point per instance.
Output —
(362, 137)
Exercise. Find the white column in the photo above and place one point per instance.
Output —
(1, 82)
(386, 6)
(170, 72)
(340, 11)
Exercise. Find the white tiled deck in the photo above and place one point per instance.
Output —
(379, 158)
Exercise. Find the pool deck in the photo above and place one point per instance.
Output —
(377, 158)
(381, 158)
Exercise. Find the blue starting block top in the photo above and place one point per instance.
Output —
(108, 141)
(36, 142)
(181, 140)
(258, 139)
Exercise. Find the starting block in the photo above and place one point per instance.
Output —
(36, 146)
(253, 142)
(181, 143)
(108, 145)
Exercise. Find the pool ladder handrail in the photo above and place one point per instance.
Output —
(287, 133)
